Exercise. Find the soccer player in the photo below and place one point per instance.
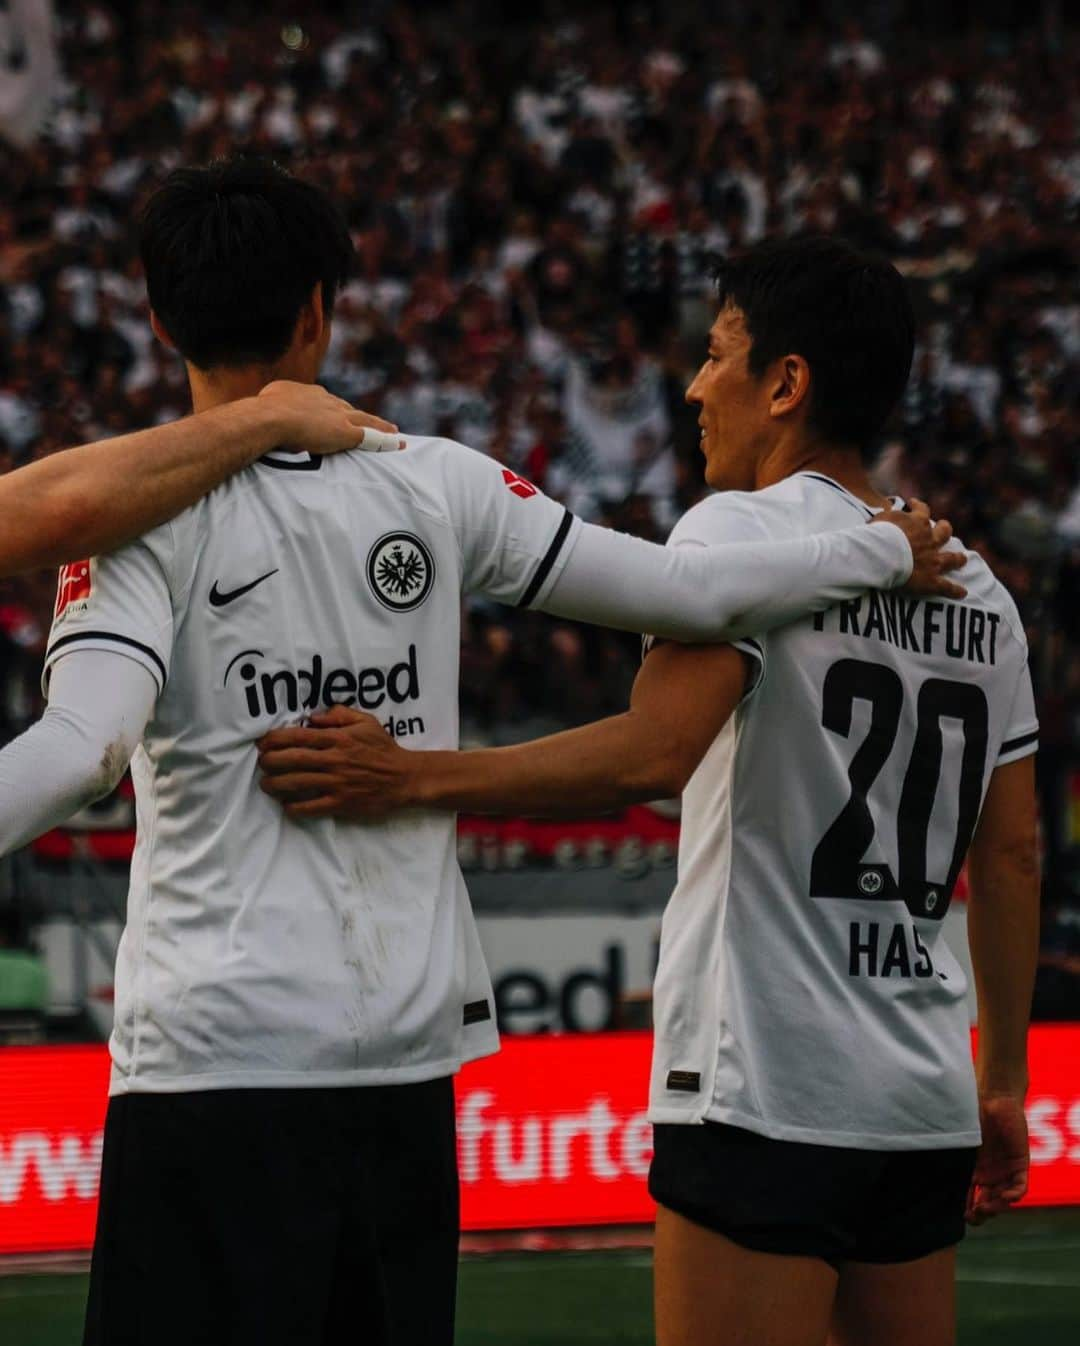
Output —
(99, 496)
(816, 1111)
(292, 1001)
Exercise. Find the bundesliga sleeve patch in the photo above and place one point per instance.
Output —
(74, 585)
(519, 486)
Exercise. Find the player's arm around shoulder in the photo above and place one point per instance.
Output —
(347, 766)
(97, 497)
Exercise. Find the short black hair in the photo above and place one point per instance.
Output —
(232, 252)
(845, 311)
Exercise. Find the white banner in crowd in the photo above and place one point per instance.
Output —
(29, 67)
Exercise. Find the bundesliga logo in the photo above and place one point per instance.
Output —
(400, 571)
(74, 585)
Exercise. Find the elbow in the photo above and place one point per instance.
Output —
(675, 777)
(108, 769)
(88, 784)
(94, 771)
(656, 757)
(63, 529)
(663, 774)
(1013, 868)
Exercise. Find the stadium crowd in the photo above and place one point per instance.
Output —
(534, 203)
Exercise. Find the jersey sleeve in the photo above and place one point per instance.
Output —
(718, 520)
(1022, 726)
(514, 540)
(98, 709)
(120, 602)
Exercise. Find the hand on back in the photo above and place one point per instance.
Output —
(343, 764)
(932, 564)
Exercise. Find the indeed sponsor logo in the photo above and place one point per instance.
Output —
(268, 691)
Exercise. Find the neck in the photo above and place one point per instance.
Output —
(214, 387)
(843, 465)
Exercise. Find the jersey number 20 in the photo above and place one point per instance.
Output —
(837, 869)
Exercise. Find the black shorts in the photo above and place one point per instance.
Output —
(781, 1196)
(252, 1217)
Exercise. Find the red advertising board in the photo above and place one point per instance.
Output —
(551, 1133)
(52, 1106)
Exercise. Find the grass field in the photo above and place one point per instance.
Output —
(1019, 1286)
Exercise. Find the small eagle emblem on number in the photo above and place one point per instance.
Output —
(400, 571)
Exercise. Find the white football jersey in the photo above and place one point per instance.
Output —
(804, 990)
(261, 951)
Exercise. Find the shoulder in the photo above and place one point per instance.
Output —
(430, 451)
(425, 459)
(985, 590)
(159, 545)
(744, 516)
(429, 475)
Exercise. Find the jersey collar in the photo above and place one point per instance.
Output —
(867, 510)
(291, 462)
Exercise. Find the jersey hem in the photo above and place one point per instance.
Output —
(296, 1079)
(844, 1140)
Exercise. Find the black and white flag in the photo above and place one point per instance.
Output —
(29, 67)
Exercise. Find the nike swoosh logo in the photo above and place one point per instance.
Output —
(219, 599)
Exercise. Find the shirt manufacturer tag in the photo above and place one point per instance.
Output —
(684, 1081)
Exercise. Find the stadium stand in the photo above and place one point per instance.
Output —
(534, 210)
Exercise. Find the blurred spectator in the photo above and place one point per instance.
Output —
(1057, 994)
(534, 200)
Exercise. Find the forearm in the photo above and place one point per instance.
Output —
(1003, 934)
(96, 497)
(721, 593)
(79, 749)
(600, 767)
(46, 775)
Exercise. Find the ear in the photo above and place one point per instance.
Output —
(312, 320)
(158, 329)
(790, 387)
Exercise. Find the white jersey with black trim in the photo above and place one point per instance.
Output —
(260, 951)
(804, 990)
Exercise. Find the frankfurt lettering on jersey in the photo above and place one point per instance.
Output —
(916, 625)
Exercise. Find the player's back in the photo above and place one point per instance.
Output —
(822, 836)
(258, 949)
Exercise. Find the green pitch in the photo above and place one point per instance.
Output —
(1019, 1286)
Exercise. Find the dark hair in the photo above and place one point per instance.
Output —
(845, 311)
(232, 252)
